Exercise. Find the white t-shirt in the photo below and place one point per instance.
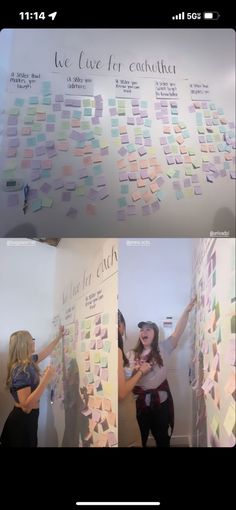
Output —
(157, 374)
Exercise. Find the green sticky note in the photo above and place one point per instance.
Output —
(65, 124)
(97, 169)
(19, 101)
(98, 130)
(87, 112)
(86, 102)
(105, 318)
(122, 202)
(85, 125)
(107, 346)
(80, 191)
(36, 126)
(124, 188)
(31, 142)
(191, 151)
(47, 202)
(51, 118)
(14, 111)
(61, 135)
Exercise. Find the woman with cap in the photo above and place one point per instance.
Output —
(154, 403)
(26, 387)
(128, 433)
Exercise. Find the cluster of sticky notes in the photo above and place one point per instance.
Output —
(216, 136)
(138, 169)
(96, 377)
(42, 132)
(181, 163)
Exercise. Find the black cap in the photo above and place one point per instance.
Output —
(150, 324)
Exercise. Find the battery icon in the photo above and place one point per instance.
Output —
(211, 15)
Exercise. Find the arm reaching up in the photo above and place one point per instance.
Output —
(181, 324)
(47, 351)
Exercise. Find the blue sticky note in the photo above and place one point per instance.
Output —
(124, 188)
(19, 101)
(89, 180)
(97, 169)
(115, 122)
(95, 144)
(122, 202)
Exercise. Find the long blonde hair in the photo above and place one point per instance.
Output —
(20, 353)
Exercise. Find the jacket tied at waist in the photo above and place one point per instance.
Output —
(142, 406)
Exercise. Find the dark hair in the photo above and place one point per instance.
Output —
(121, 347)
(154, 354)
(121, 318)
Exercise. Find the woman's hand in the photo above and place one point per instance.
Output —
(191, 304)
(61, 332)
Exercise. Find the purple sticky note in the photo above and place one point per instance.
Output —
(179, 160)
(11, 131)
(75, 135)
(121, 216)
(131, 210)
(92, 194)
(130, 120)
(170, 160)
(187, 182)
(143, 114)
(50, 144)
(59, 98)
(142, 151)
(176, 185)
(83, 173)
(100, 180)
(135, 110)
(40, 151)
(210, 178)
(66, 196)
(58, 184)
(33, 194)
(197, 190)
(14, 142)
(202, 139)
(160, 181)
(122, 151)
(191, 108)
(144, 173)
(139, 121)
(35, 175)
(167, 149)
(104, 152)
(135, 102)
(155, 206)
(103, 193)
(132, 176)
(51, 153)
(195, 179)
(56, 107)
(113, 111)
(45, 188)
(163, 140)
(138, 140)
(50, 128)
(95, 121)
(70, 186)
(35, 164)
(146, 210)
(233, 175)
(124, 139)
(72, 213)
(223, 172)
(12, 120)
(12, 199)
(65, 114)
(123, 176)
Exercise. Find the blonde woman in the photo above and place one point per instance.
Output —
(26, 387)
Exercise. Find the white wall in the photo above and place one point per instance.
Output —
(26, 302)
(200, 56)
(76, 258)
(155, 282)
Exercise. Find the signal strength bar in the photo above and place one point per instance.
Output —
(181, 15)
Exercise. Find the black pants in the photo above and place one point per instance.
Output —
(20, 429)
(157, 421)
